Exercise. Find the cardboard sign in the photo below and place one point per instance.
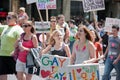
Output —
(110, 22)
(42, 27)
(49, 4)
(83, 72)
(31, 1)
(54, 67)
(93, 5)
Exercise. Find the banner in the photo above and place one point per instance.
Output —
(54, 67)
(93, 5)
(110, 22)
(42, 27)
(49, 4)
(31, 1)
(83, 72)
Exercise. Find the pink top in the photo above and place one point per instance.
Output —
(23, 54)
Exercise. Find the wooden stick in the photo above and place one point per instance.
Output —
(39, 13)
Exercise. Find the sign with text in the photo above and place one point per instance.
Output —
(83, 72)
(93, 5)
(54, 67)
(42, 27)
(31, 1)
(49, 4)
(110, 22)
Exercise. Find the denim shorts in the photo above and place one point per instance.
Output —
(21, 67)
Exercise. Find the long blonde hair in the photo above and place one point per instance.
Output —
(51, 40)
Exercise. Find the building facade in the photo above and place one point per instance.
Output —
(69, 8)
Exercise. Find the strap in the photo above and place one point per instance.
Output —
(22, 36)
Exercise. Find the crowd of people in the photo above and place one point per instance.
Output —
(84, 43)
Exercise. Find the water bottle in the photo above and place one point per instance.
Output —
(20, 43)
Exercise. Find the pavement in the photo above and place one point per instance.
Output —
(113, 76)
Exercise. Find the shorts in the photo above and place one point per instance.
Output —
(7, 65)
(21, 67)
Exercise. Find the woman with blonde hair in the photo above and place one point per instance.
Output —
(83, 48)
(57, 46)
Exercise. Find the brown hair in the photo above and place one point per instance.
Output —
(33, 28)
(87, 31)
(14, 15)
(52, 17)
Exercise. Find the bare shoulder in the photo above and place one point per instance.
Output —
(90, 44)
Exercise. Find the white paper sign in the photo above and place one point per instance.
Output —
(54, 67)
(42, 27)
(110, 22)
(31, 1)
(83, 72)
(49, 4)
(93, 5)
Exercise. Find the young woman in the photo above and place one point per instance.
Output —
(57, 46)
(98, 45)
(83, 48)
(29, 41)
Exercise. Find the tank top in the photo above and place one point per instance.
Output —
(60, 52)
(82, 55)
(23, 54)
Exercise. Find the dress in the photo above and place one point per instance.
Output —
(81, 55)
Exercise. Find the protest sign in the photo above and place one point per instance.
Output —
(83, 72)
(49, 4)
(31, 1)
(54, 67)
(42, 27)
(110, 22)
(93, 5)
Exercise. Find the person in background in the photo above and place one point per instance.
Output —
(53, 23)
(73, 31)
(113, 55)
(57, 46)
(9, 35)
(29, 41)
(98, 45)
(83, 48)
(63, 27)
(22, 16)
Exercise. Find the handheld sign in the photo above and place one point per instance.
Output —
(42, 27)
(93, 5)
(31, 1)
(83, 72)
(54, 67)
(110, 22)
(49, 4)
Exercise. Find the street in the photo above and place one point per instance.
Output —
(12, 77)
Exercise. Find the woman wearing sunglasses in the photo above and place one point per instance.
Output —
(83, 48)
(29, 41)
(9, 34)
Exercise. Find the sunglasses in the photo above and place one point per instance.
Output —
(26, 25)
(8, 17)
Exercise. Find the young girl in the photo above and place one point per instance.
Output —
(57, 46)
(29, 41)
